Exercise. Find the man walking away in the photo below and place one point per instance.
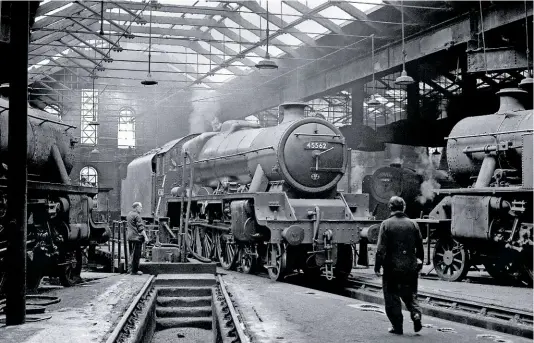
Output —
(400, 253)
(136, 236)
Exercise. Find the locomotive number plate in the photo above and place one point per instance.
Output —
(317, 146)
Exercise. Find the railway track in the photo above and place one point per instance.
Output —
(499, 318)
(231, 328)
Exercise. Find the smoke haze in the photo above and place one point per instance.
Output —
(206, 108)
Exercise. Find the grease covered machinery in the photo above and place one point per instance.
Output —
(259, 197)
(60, 224)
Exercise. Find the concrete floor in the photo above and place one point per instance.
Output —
(479, 287)
(87, 312)
(282, 312)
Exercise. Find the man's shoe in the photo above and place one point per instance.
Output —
(395, 331)
(417, 326)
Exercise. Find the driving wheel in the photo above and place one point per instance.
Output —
(276, 261)
(451, 260)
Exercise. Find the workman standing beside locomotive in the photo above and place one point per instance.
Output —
(400, 253)
(136, 236)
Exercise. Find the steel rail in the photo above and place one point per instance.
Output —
(124, 320)
(240, 333)
(514, 317)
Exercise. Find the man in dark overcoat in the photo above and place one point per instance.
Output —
(400, 254)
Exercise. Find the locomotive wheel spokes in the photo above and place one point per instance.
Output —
(276, 261)
(207, 244)
(247, 261)
(227, 252)
(451, 260)
(69, 273)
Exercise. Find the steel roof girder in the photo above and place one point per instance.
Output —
(65, 13)
(356, 13)
(106, 56)
(82, 54)
(125, 31)
(305, 10)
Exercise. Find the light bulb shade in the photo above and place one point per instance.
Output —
(266, 64)
(93, 123)
(373, 101)
(526, 83)
(404, 79)
(149, 81)
(95, 151)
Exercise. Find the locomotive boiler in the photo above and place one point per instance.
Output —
(261, 196)
(489, 221)
(59, 213)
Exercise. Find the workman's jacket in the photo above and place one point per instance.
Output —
(135, 226)
(399, 245)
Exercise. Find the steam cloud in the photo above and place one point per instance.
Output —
(427, 167)
(206, 108)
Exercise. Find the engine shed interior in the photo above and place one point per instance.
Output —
(160, 101)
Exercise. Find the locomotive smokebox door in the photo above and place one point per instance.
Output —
(470, 216)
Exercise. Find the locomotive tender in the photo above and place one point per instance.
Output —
(489, 221)
(259, 196)
(59, 213)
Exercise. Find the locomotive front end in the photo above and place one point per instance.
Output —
(490, 219)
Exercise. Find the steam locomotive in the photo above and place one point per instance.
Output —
(59, 213)
(257, 196)
(489, 220)
(484, 215)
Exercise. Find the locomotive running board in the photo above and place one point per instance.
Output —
(56, 187)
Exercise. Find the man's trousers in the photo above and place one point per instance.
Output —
(397, 286)
(135, 256)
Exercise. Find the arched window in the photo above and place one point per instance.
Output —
(126, 134)
(88, 177)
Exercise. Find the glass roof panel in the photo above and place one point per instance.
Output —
(286, 13)
(274, 51)
(289, 39)
(337, 15)
(224, 76)
(366, 5)
(312, 28)
(54, 11)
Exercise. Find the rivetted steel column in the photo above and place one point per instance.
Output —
(17, 163)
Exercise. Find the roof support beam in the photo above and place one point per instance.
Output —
(137, 17)
(98, 67)
(116, 47)
(305, 10)
(106, 58)
(332, 78)
(126, 33)
(356, 13)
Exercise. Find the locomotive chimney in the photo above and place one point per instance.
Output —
(293, 111)
(511, 100)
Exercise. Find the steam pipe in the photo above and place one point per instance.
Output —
(486, 171)
(56, 155)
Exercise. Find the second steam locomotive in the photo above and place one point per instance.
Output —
(258, 196)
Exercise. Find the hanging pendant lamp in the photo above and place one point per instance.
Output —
(267, 63)
(373, 101)
(528, 81)
(403, 79)
(149, 81)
